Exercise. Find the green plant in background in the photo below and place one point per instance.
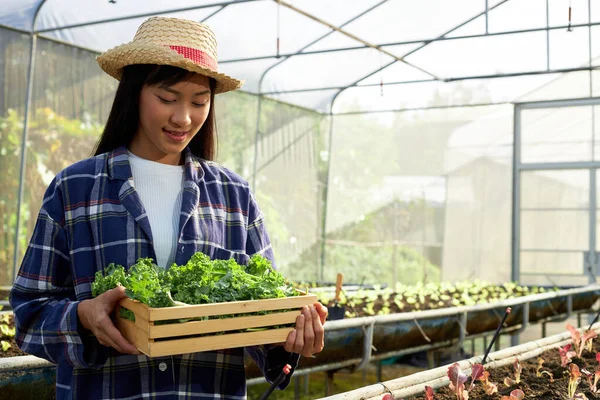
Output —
(5, 333)
(54, 142)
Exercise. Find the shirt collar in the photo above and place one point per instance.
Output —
(119, 168)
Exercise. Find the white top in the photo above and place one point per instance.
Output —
(160, 187)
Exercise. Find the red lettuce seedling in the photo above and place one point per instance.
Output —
(516, 394)
(574, 379)
(518, 369)
(428, 393)
(476, 373)
(576, 337)
(457, 382)
(566, 354)
(592, 380)
(539, 373)
(587, 341)
(489, 387)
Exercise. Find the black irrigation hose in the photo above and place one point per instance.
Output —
(495, 335)
(285, 371)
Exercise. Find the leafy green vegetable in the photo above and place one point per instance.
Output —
(201, 280)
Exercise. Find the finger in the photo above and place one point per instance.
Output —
(289, 343)
(116, 294)
(319, 341)
(322, 311)
(299, 340)
(120, 343)
(309, 334)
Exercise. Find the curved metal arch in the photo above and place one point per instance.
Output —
(222, 4)
(262, 77)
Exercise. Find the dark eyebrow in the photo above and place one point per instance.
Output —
(171, 90)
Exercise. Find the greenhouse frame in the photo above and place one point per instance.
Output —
(398, 143)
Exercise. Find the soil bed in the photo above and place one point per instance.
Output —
(534, 387)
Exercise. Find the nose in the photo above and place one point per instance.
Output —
(181, 117)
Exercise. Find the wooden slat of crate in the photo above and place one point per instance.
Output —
(134, 335)
(220, 325)
(167, 347)
(207, 310)
(217, 342)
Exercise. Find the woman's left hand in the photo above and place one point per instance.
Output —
(309, 337)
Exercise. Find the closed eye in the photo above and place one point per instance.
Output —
(165, 100)
(199, 105)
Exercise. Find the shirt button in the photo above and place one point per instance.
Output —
(162, 366)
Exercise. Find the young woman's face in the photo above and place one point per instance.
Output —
(170, 116)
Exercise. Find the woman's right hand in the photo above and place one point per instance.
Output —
(94, 315)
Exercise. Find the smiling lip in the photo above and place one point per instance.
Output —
(177, 136)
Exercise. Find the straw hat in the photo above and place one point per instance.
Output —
(178, 42)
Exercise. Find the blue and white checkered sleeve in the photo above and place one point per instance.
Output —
(43, 297)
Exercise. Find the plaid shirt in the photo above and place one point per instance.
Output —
(92, 216)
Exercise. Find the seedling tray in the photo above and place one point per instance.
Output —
(213, 333)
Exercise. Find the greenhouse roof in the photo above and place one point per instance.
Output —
(367, 55)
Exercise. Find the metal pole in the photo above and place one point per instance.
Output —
(547, 36)
(326, 194)
(592, 227)
(256, 139)
(516, 184)
(487, 8)
(24, 152)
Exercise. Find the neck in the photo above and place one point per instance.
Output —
(151, 153)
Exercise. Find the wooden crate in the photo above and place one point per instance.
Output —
(181, 338)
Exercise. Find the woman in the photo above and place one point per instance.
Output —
(149, 191)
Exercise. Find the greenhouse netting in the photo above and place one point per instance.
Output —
(378, 135)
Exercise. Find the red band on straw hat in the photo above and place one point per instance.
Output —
(197, 56)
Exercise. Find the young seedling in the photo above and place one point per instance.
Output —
(539, 373)
(476, 373)
(592, 380)
(508, 381)
(489, 387)
(457, 382)
(516, 394)
(588, 340)
(576, 338)
(581, 342)
(566, 354)
(574, 379)
(428, 393)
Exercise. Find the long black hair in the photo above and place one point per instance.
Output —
(124, 117)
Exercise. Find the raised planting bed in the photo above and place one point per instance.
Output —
(539, 369)
(21, 376)
(412, 328)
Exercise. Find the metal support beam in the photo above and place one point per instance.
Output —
(547, 36)
(418, 41)
(143, 15)
(354, 37)
(516, 195)
(25, 136)
(455, 79)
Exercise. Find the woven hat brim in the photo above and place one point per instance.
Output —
(114, 60)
